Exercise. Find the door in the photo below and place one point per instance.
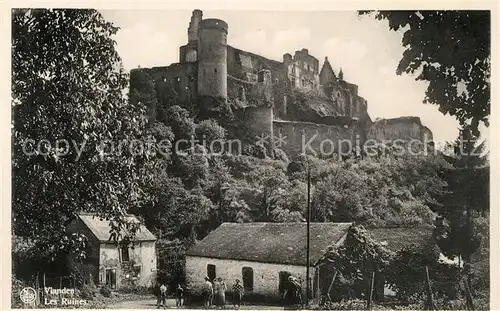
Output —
(283, 281)
(247, 275)
(111, 278)
(211, 273)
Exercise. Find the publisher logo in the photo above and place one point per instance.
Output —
(28, 295)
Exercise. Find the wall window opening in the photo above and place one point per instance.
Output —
(261, 77)
(283, 279)
(177, 84)
(211, 273)
(125, 255)
(247, 276)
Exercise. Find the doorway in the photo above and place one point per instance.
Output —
(111, 278)
(283, 281)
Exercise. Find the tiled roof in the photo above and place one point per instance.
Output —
(269, 242)
(101, 229)
(396, 239)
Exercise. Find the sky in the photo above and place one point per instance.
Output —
(366, 50)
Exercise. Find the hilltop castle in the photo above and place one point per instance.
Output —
(263, 92)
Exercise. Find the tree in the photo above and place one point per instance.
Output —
(450, 50)
(70, 113)
(357, 258)
(461, 231)
(143, 91)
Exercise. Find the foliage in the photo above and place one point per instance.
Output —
(16, 287)
(180, 121)
(105, 291)
(451, 50)
(171, 264)
(387, 191)
(462, 229)
(68, 83)
(143, 92)
(351, 304)
(357, 258)
(406, 274)
(88, 291)
(209, 130)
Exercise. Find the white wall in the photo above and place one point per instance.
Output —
(266, 275)
(144, 254)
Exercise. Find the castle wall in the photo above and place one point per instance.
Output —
(404, 128)
(180, 78)
(311, 138)
(251, 93)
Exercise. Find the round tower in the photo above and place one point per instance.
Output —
(212, 58)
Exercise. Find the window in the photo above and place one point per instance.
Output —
(177, 84)
(283, 279)
(211, 272)
(125, 254)
(261, 76)
(247, 276)
(136, 271)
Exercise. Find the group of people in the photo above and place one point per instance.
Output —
(162, 296)
(215, 293)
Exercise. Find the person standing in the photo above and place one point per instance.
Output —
(220, 292)
(297, 291)
(162, 297)
(179, 296)
(209, 292)
(237, 294)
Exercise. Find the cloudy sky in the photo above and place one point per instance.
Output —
(363, 47)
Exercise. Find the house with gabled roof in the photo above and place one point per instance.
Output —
(114, 265)
(263, 255)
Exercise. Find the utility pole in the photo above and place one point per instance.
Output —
(308, 280)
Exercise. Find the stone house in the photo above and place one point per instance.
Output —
(263, 255)
(111, 264)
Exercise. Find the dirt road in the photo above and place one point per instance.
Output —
(151, 304)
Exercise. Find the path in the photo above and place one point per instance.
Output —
(151, 304)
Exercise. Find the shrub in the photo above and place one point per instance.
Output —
(17, 286)
(354, 304)
(105, 291)
(88, 291)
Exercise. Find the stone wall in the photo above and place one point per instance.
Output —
(404, 128)
(312, 138)
(180, 78)
(265, 275)
(143, 254)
